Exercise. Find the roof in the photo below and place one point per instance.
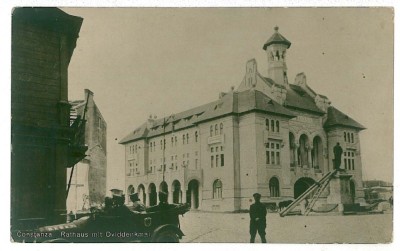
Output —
(298, 98)
(338, 118)
(230, 103)
(277, 38)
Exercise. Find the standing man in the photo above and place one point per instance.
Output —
(258, 221)
(137, 204)
(338, 151)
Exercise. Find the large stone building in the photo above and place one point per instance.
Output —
(268, 136)
(44, 142)
(88, 178)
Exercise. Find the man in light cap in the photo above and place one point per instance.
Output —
(258, 221)
(137, 204)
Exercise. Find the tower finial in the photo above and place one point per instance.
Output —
(276, 28)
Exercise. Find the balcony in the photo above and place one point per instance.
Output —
(271, 135)
(350, 146)
(76, 148)
(216, 139)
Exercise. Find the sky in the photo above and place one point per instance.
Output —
(160, 61)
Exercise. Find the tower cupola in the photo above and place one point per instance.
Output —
(276, 47)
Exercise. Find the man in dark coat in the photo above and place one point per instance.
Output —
(137, 205)
(258, 221)
(338, 151)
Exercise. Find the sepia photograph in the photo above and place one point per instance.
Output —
(202, 125)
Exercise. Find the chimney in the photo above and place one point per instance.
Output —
(90, 93)
(150, 121)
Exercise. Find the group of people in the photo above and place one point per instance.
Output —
(116, 204)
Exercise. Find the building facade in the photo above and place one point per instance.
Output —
(88, 180)
(45, 142)
(267, 136)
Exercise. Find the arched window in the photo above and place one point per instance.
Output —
(274, 187)
(216, 129)
(187, 138)
(267, 124)
(352, 138)
(345, 137)
(348, 137)
(272, 125)
(183, 139)
(217, 189)
(277, 126)
(221, 128)
(196, 136)
(211, 131)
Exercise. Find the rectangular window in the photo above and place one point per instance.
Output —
(345, 163)
(216, 160)
(352, 164)
(278, 158)
(273, 158)
(273, 152)
(212, 161)
(212, 149)
(222, 160)
(277, 126)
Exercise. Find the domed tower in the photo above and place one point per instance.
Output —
(276, 50)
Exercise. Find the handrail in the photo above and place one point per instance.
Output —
(306, 193)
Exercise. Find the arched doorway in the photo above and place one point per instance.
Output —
(301, 186)
(176, 192)
(274, 187)
(192, 195)
(130, 190)
(352, 191)
(303, 151)
(164, 188)
(142, 193)
(152, 194)
(317, 158)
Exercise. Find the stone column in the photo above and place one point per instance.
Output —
(183, 196)
(170, 197)
(309, 149)
(296, 147)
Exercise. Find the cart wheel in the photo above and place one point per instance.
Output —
(167, 237)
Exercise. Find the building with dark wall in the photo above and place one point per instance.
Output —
(44, 141)
(88, 181)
